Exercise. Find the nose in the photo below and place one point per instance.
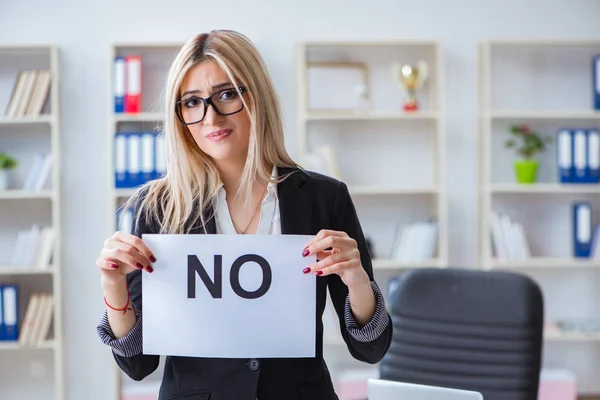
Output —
(211, 116)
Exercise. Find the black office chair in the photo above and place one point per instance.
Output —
(467, 329)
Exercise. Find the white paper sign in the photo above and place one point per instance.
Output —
(261, 306)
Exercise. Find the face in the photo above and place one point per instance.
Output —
(224, 138)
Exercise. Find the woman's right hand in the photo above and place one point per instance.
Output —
(122, 254)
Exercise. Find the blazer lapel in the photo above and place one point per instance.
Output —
(210, 227)
(295, 204)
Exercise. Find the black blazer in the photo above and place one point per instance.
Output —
(308, 203)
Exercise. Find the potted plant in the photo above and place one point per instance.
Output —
(527, 144)
(7, 163)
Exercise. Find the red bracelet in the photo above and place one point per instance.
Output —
(124, 309)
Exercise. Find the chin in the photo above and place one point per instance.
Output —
(222, 154)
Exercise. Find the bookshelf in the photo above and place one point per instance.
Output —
(156, 59)
(546, 84)
(30, 76)
(392, 160)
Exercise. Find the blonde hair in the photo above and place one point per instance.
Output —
(175, 202)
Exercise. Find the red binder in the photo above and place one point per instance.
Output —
(133, 91)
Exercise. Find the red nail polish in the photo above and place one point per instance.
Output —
(306, 270)
(152, 259)
(114, 266)
(319, 272)
(150, 269)
(140, 266)
(305, 252)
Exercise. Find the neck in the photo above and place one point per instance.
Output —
(230, 173)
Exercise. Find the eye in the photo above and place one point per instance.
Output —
(229, 94)
(191, 102)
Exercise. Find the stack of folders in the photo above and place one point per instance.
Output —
(508, 238)
(33, 248)
(578, 155)
(415, 242)
(40, 173)
(139, 158)
(37, 321)
(29, 93)
(128, 84)
(510, 241)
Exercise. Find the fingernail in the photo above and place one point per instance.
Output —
(140, 266)
(114, 266)
(319, 272)
(306, 270)
(305, 252)
(150, 269)
(152, 259)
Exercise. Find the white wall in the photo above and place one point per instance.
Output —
(84, 36)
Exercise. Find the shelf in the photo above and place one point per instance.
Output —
(42, 119)
(25, 195)
(370, 43)
(369, 115)
(387, 264)
(545, 188)
(125, 192)
(5, 346)
(140, 117)
(546, 262)
(382, 190)
(545, 42)
(8, 270)
(557, 336)
(545, 114)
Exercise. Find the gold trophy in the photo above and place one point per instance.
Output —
(411, 78)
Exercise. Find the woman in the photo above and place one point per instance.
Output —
(228, 172)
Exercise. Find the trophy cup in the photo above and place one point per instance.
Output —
(411, 78)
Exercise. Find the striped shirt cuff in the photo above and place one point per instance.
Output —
(375, 327)
(127, 346)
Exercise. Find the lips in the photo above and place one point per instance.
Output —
(218, 135)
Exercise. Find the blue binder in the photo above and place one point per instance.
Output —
(119, 84)
(564, 155)
(593, 156)
(596, 82)
(160, 155)
(580, 155)
(582, 229)
(134, 150)
(10, 312)
(2, 326)
(147, 156)
(120, 161)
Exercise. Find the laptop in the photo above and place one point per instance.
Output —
(379, 389)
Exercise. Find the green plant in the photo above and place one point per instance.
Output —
(7, 162)
(530, 142)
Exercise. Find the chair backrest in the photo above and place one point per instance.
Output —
(467, 329)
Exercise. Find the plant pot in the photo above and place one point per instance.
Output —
(4, 179)
(526, 171)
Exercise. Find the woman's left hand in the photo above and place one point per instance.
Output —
(337, 253)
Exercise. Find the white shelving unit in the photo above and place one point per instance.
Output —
(391, 160)
(156, 60)
(33, 371)
(546, 84)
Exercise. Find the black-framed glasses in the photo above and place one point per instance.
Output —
(192, 109)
